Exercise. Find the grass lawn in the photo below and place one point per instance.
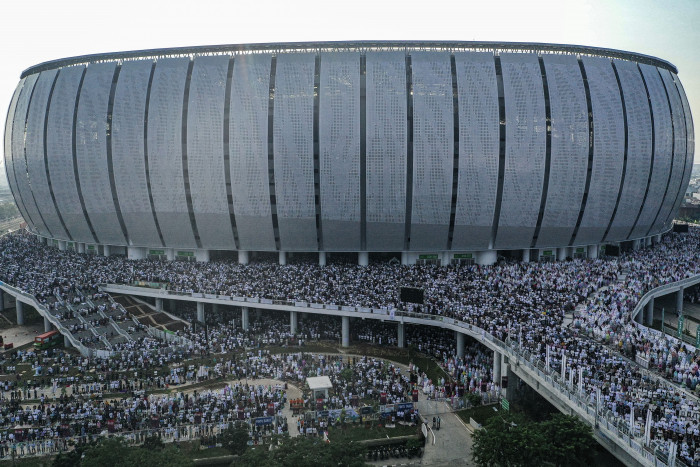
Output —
(480, 414)
(43, 461)
(360, 433)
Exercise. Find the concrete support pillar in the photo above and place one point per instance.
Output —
(321, 258)
(170, 254)
(258, 312)
(561, 254)
(202, 256)
(363, 258)
(593, 251)
(640, 317)
(106, 250)
(20, 312)
(460, 344)
(47, 324)
(346, 331)
(404, 258)
(159, 304)
(647, 241)
(173, 306)
(245, 318)
(62, 245)
(66, 342)
(679, 301)
(650, 312)
(200, 312)
(242, 257)
(283, 258)
(215, 308)
(81, 247)
(293, 322)
(497, 367)
(526, 255)
(401, 336)
(486, 257)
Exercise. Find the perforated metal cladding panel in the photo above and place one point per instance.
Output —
(690, 142)
(59, 140)
(679, 155)
(205, 152)
(250, 95)
(477, 184)
(91, 152)
(18, 162)
(128, 160)
(638, 150)
(569, 151)
(34, 152)
(662, 150)
(339, 150)
(608, 150)
(433, 149)
(525, 149)
(9, 143)
(386, 150)
(165, 152)
(686, 125)
(294, 151)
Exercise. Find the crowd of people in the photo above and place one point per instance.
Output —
(579, 308)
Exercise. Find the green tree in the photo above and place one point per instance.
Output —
(570, 441)
(115, 453)
(312, 452)
(235, 440)
(508, 439)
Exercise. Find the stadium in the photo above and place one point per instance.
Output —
(438, 152)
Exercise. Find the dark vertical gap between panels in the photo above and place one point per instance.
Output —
(409, 154)
(227, 152)
(26, 164)
(145, 154)
(110, 167)
(591, 145)
(653, 153)
(673, 154)
(685, 156)
(316, 142)
(501, 149)
(547, 150)
(455, 165)
(185, 169)
(14, 156)
(75, 157)
(363, 152)
(624, 160)
(46, 157)
(271, 151)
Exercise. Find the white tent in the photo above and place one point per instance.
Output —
(319, 386)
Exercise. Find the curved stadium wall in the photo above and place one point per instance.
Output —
(424, 147)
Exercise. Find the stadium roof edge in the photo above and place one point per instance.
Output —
(362, 46)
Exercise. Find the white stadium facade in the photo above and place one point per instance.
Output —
(435, 151)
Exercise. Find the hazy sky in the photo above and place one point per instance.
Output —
(35, 31)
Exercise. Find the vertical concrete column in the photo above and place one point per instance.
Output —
(497, 367)
(215, 308)
(258, 312)
(486, 257)
(159, 304)
(401, 336)
(640, 317)
(404, 258)
(363, 258)
(47, 324)
(245, 317)
(170, 254)
(81, 247)
(561, 254)
(593, 251)
(679, 301)
(526, 255)
(242, 257)
(647, 241)
(200, 312)
(134, 252)
(66, 342)
(62, 245)
(283, 258)
(106, 250)
(345, 332)
(20, 312)
(321, 258)
(173, 306)
(650, 312)
(293, 322)
(202, 256)
(460, 343)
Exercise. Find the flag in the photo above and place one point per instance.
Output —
(546, 360)
(580, 379)
(563, 366)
